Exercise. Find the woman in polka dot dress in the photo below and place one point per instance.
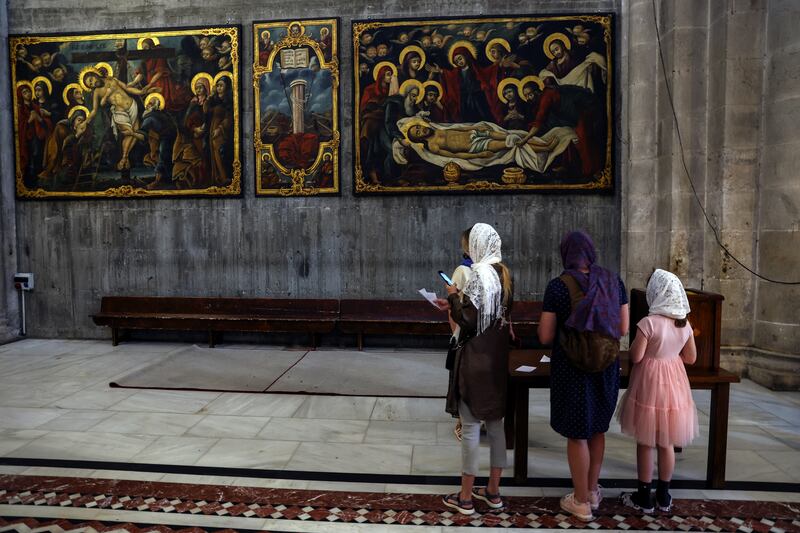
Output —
(582, 404)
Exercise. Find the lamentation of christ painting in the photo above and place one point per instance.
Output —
(487, 104)
(136, 114)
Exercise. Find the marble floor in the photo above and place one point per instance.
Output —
(56, 407)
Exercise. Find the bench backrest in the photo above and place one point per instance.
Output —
(529, 312)
(224, 306)
(401, 310)
(350, 310)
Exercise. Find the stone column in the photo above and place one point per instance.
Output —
(776, 358)
(298, 105)
(639, 211)
(735, 127)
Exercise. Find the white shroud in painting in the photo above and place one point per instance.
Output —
(523, 156)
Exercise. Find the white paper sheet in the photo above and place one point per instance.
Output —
(525, 368)
(430, 296)
(545, 359)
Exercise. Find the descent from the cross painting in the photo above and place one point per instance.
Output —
(153, 113)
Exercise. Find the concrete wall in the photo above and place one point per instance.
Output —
(316, 247)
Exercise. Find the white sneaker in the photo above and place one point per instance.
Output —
(595, 497)
(583, 511)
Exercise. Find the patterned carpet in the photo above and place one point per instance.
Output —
(359, 507)
(34, 525)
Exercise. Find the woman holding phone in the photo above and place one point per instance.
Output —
(477, 389)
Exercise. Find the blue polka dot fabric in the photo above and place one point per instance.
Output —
(581, 404)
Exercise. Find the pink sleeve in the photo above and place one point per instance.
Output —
(689, 332)
(645, 325)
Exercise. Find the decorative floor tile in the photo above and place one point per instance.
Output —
(364, 507)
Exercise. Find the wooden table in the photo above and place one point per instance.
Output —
(718, 381)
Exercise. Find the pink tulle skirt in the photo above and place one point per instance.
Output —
(658, 408)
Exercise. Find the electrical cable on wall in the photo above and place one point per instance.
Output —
(714, 230)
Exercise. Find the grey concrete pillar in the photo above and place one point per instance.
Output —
(9, 309)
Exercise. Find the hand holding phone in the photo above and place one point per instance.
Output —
(446, 278)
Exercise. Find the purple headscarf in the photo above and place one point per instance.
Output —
(599, 310)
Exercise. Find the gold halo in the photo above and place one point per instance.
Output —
(382, 64)
(139, 42)
(157, 96)
(528, 79)
(558, 36)
(25, 83)
(67, 89)
(497, 40)
(222, 74)
(462, 44)
(82, 76)
(49, 85)
(413, 48)
(434, 83)
(267, 32)
(78, 108)
(416, 121)
(203, 75)
(502, 85)
(406, 84)
(293, 23)
(106, 66)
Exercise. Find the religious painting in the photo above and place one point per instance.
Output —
(512, 104)
(296, 85)
(145, 113)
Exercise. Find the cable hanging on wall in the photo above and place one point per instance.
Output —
(714, 230)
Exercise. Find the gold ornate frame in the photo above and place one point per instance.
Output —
(130, 191)
(604, 180)
(328, 150)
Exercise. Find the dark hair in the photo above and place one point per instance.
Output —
(419, 138)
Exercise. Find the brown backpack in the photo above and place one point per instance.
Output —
(588, 351)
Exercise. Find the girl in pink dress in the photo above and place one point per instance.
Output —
(658, 409)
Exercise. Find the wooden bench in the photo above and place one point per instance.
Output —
(352, 317)
(417, 317)
(217, 315)
(706, 374)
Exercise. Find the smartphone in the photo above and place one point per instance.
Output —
(445, 278)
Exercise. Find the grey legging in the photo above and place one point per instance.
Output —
(471, 439)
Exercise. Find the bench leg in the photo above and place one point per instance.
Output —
(114, 336)
(212, 340)
(313, 341)
(360, 342)
(521, 434)
(718, 436)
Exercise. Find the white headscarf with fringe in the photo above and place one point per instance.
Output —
(484, 289)
(666, 296)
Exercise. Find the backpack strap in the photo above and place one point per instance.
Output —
(575, 292)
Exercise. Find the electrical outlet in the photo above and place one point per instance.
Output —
(23, 281)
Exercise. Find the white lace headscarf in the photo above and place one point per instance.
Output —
(666, 296)
(484, 288)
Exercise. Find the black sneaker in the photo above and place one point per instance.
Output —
(632, 499)
(664, 506)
